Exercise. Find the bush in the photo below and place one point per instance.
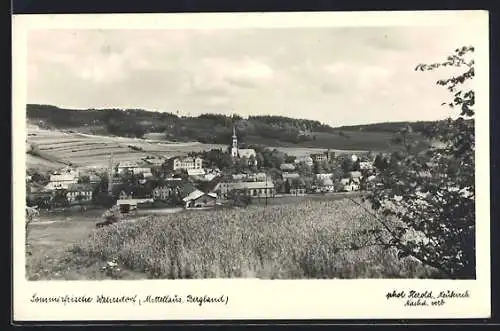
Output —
(112, 215)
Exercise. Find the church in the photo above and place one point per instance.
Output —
(239, 153)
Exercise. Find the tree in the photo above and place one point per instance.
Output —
(380, 162)
(31, 214)
(347, 164)
(431, 195)
(85, 179)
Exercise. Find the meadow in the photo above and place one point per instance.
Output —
(311, 239)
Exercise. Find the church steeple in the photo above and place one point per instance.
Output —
(234, 148)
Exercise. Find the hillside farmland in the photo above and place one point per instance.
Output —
(55, 148)
(88, 150)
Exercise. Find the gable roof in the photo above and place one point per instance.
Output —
(193, 195)
(252, 185)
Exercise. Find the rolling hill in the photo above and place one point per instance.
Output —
(216, 129)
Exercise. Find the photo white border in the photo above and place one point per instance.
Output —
(248, 298)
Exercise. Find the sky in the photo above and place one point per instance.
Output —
(336, 75)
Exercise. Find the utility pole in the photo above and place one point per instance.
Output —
(110, 175)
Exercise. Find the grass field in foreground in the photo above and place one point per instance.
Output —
(311, 239)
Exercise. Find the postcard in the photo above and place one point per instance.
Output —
(229, 166)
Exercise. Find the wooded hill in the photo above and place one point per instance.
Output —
(276, 131)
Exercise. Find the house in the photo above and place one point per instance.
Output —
(324, 176)
(307, 160)
(129, 204)
(327, 185)
(198, 199)
(164, 192)
(171, 189)
(126, 166)
(287, 167)
(255, 189)
(62, 179)
(257, 177)
(155, 161)
(355, 176)
(123, 191)
(144, 169)
(351, 187)
(196, 172)
(79, 193)
(349, 184)
(223, 188)
(290, 175)
(185, 163)
(319, 157)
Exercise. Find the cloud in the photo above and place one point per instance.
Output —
(337, 75)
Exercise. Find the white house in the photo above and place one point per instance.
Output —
(62, 179)
(126, 166)
(186, 163)
(355, 176)
(79, 193)
(307, 160)
(324, 176)
(255, 189)
(196, 172)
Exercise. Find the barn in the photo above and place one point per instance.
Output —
(198, 199)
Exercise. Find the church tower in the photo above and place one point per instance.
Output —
(234, 148)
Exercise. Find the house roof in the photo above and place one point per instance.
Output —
(186, 159)
(345, 181)
(290, 175)
(355, 174)
(194, 172)
(127, 164)
(193, 195)
(252, 185)
(80, 187)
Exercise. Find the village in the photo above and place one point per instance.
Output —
(237, 176)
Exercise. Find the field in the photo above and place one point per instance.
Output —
(91, 150)
(308, 239)
(57, 148)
